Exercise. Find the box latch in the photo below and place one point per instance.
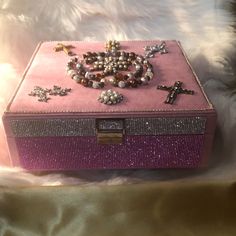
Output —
(110, 131)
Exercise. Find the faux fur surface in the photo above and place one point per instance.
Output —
(206, 30)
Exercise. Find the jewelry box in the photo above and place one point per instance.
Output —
(130, 104)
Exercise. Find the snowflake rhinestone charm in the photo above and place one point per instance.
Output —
(42, 94)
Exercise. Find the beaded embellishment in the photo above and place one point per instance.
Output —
(113, 62)
(110, 97)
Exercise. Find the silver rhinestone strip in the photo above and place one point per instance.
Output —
(53, 127)
(110, 124)
(168, 125)
(87, 126)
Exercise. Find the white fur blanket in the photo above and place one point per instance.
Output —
(203, 27)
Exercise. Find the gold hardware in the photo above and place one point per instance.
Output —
(109, 138)
(65, 48)
(110, 131)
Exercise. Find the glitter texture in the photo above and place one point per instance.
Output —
(73, 153)
(87, 127)
(168, 125)
(53, 127)
(110, 124)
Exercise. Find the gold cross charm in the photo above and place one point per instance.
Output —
(65, 48)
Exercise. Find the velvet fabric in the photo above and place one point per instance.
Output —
(48, 68)
(150, 209)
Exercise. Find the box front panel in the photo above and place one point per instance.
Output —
(72, 153)
(71, 144)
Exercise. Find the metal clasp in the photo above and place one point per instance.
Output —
(110, 131)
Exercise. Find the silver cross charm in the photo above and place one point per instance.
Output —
(151, 50)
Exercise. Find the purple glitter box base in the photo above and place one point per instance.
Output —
(71, 143)
(78, 132)
(72, 153)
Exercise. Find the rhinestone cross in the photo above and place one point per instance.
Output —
(174, 91)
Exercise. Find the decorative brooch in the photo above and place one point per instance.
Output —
(42, 94)
(110, 63)
(110, 97)
(174, 91)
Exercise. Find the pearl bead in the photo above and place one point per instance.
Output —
(130, 75)
(144, 81)
(71, 72)
(87, 75)
(150, 74)
(99, 58)
(112, 80)
(106, 98)
(78, 66)
(121, 84)
(77, 78)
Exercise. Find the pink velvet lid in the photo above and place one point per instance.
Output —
(48, 68)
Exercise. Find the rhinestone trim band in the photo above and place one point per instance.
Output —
(53, 127)
(165, 125)
(87, 126)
